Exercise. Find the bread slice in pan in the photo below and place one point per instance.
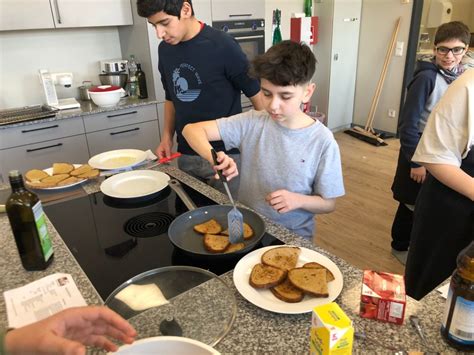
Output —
(235, 247)
(62, 168)
(81, 170)
(284, 258)
(312, 281)
(35, 175)
(314, 265)
(216, 243)
(287, 292)
(248, 231)
(265, 276)
(209, 227)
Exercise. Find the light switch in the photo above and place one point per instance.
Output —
(405, 1)
(399, 49)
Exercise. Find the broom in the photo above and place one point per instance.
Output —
(367, 133)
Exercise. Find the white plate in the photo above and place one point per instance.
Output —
(167, 345)
(117, 159)
(265, 299)
(137, 183)
(49, 171)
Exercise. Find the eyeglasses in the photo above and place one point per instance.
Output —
(446, 50)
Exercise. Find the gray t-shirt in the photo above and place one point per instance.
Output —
(273, 157)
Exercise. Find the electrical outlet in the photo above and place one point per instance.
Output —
(405, 1)
(392, 113)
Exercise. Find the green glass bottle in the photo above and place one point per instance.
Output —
(28, 224)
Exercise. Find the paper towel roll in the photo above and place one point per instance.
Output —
(439, 13)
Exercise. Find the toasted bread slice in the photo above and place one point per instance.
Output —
(265, 276)
(209, 227)
(55, 179)
(216, 243)
(287, 292)
(35, 175)
(93, 173)
(225, 232)
(40, 185)
(284, 258)
(81, 170)
(62, 168)
(314, 265)
(70, 180)
(312, 281)
(235, 247)
(248, 231)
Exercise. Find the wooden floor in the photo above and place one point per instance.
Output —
(359, 230)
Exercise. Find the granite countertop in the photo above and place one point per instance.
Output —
(87, 108)
(255, 330)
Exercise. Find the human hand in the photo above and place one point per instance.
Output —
(164, 149)
(68, 331)
(283, 201)
(418, 174)
(227, 165)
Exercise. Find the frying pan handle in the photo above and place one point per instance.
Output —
(176, 186)
(214, 157)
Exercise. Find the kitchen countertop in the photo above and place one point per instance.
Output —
(87, 108)
(254, 330)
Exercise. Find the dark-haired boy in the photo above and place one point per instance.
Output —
(291, 168)
(203, 71)
(430, 81)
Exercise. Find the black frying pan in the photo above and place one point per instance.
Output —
(183, 236)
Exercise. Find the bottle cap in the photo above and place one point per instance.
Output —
(14, 173)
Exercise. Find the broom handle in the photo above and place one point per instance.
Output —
(388, 56)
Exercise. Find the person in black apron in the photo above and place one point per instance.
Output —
(444, 215)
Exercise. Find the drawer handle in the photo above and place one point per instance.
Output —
(240, 15)
(128, 130)
(39, 129)
(49, 146)
(122, 114)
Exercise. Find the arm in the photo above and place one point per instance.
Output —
(69, 331)
(453, 177)
(257, 101)
(198, 135)
(164, 149)
(284, 201)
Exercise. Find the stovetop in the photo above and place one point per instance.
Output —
(115, 240)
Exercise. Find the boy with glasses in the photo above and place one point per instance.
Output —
(430, 81)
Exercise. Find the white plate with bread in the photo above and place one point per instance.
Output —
(287, 279)
(117, 159)
(59, 176)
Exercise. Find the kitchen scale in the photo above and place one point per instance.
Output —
(51, 95)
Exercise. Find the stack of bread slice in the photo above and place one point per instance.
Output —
(216, 239)
(63, 174)
(277, 271)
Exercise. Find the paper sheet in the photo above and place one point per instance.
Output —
(443, 290)
(41, 298)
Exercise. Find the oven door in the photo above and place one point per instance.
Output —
(252, 43)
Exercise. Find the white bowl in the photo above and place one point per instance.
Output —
(106, 98)
(167, 345)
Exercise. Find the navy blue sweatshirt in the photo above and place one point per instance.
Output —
(203, 77)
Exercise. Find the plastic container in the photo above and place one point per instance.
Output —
(106, 95)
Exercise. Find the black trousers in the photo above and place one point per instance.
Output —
(401, 228)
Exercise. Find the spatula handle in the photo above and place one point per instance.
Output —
(214, 157)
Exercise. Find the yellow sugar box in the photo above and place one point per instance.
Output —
(331, 331)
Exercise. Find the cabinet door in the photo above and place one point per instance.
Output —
(142, 136)
(43, 155)
(237, 10)
(25, 15)
(91, 13)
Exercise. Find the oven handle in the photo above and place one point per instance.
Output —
(240, 15)
(248, 37)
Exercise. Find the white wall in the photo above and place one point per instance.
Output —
(78, 51)
(378, 22)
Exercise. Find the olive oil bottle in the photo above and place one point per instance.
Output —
(28, 224)
(458, 320)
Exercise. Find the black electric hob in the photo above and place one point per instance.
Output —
(115, 240)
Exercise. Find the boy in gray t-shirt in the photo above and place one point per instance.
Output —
(291, 166)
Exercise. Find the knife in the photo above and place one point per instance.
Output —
(142, 166)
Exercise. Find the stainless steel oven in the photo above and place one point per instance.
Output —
(250, 34)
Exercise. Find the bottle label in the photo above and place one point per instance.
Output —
(45, 240)
(461, 329)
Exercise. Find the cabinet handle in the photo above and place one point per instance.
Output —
(248, 37)
(240, 15)
(49, 146)
(122, 114)
(39, 129)
(128, 130)
(56, 5)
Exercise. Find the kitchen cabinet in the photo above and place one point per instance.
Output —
(142, 136)
(223, 10)
(42, 14)
(336, 52)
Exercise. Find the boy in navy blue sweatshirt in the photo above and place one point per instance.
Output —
(429, 83)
